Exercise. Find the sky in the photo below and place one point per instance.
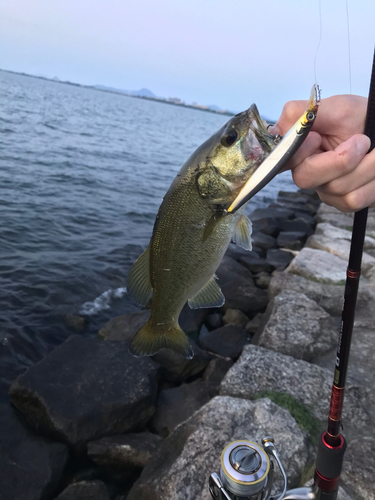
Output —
(207, 51)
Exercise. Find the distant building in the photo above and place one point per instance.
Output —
(175, 100)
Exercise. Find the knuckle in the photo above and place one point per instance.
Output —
(353, 201)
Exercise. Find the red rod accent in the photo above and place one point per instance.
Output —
(325, 437)
(337, 402)
(353, 274)
(326, 485)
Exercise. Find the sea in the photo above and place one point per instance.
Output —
(82, 174)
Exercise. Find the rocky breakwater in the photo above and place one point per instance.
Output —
(91, 421)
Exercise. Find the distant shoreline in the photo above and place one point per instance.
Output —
(123, 93)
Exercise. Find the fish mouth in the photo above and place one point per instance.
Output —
(258, 143)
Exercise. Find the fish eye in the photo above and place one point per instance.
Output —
(310, 116)
(229, 139)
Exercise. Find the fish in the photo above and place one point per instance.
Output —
(192, 232)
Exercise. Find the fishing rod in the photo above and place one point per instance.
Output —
(247, 470)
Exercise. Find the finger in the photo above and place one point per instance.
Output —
(309, 147)
(353, 201)
(322, 168)
(292, 110)
(363, 174)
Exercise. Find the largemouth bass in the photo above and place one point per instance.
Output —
(191, 233)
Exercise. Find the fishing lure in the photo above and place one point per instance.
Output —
(283, 152)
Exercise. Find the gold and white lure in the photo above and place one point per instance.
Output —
(283, 152)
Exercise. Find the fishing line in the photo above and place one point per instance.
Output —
(320, 39)
(348, 30)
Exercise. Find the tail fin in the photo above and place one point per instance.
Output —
(150, 340)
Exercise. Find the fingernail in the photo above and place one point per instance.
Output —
(362, 144)
(274, 129)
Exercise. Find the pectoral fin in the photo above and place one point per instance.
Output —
(242, 233)
(208, 296)
(138, 281)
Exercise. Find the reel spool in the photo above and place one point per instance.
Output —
(246, 472)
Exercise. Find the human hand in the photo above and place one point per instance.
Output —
(333, 158)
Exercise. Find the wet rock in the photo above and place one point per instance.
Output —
(229, 269)
(125, 455)
(216, 370)
(181, 469)
(333, 216)
(85, 490)
(235, 252)
(262, 280)
(85, 389)
(291, 239)
(77, 323)
(214, 321)
(279, 259)
(225, 341)
(31, 466)
(239, 289)
(358, 468)
(256, 265)
(271, 371)
(175, 368)
(271, 212)
(299, 225)
(295, 325)
(235, 317)
(177, 404)
(253, 325)
(268, 225)
(263, 241)
(191, 320)
(124, 327)
(318, 265)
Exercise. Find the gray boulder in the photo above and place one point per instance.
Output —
(85, 389)
(309, 384)
(227, 341)
(85, 490)
(124, 327)
(279, 259)
(235, 317)
(333, 216)
(295, 325)
(292, 240)
(31, 466)
(177, 404)
(358, 468)
(181, 469)
(125, 455)
(256, 265)
(216, 370)
(318, 265)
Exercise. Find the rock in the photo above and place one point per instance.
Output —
(295, 325)
(274, 213)
(256, 265)
(309, 384)
(337, 241)
(124, 327)
(85, 490)
(31, 466)
(358, 468)
(225, 341)
(235, 252)
(268, 225)
(216, 370)
(85, 389)
(77, 323)
(318, 265)
(235, 317)
(291, 239)
(177, 404)
(279, 259)
(175, 368)
(124, 455)
(229, 269)
(181, 469)
(333, 216)
(262, 280)
(329, 297)
(263, 241)
(253, 325)
(299, 225)
(214, 321)
(191, 320)
(239, 289)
